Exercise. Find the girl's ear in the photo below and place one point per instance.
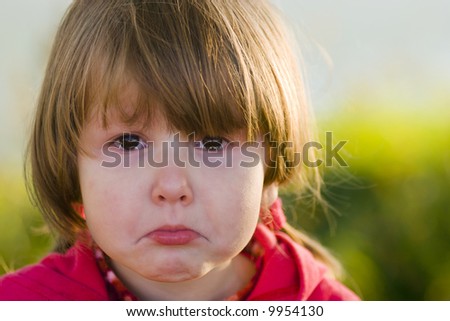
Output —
(79, 208)
(271, 211)
(269, 195)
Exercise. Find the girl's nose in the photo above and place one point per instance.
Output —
(171, 186)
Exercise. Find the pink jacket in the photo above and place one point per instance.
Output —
(289, 272)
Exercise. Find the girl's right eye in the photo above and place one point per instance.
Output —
(129, 142)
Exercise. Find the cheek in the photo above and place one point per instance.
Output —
(101, 207)
(239, 194)
(109, 220)
(236, 231)
(249, 195)
(249, 184)
(106, 204)
(103, 188)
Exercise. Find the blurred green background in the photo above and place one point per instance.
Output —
(379, 80)
(392, 203)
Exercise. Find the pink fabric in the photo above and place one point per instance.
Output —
(73, 276)
(289, 272)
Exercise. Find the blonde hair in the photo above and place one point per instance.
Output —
(215, 66)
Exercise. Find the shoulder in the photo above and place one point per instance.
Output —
(70, 276)
(290, 272)
(332, 290)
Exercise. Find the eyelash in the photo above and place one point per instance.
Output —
(129, 142)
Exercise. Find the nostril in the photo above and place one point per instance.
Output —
(171, 192)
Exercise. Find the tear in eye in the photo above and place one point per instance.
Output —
(212, 144)
(129, 142)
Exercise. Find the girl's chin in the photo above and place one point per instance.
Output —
(171, 278)
(174, 275)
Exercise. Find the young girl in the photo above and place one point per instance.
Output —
(162, 134)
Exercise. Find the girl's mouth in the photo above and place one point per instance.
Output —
(173, 235)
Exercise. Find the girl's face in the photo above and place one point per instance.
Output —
(170, 222)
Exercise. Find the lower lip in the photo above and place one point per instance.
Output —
(178, 237)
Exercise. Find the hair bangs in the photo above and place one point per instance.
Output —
(192, 73)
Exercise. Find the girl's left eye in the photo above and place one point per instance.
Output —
(129, 142)
(212, 144)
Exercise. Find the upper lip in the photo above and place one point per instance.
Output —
(172, 228)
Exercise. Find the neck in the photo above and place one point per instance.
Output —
(218, 284)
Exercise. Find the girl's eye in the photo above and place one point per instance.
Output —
(212, 144)
(129, 142)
